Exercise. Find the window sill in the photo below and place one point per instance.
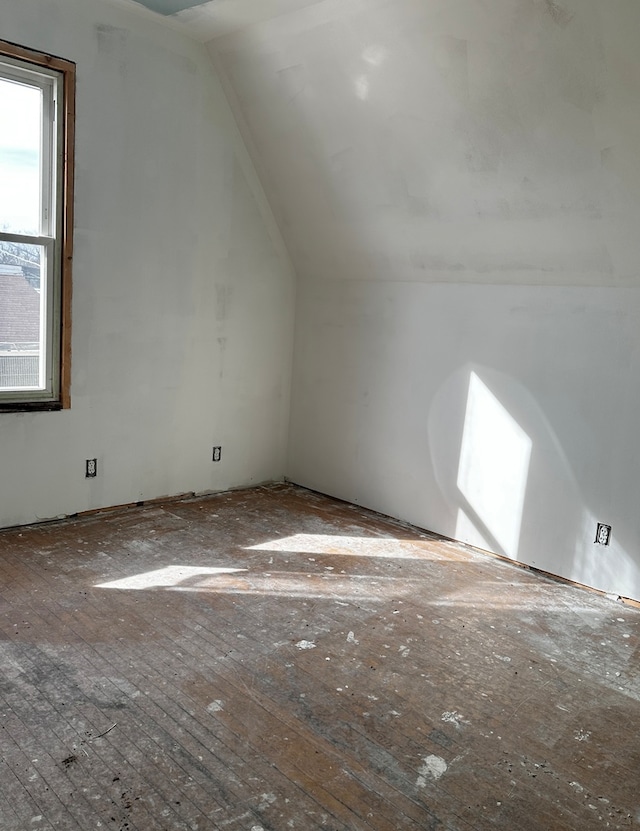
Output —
(32, 407)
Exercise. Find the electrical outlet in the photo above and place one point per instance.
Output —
(91, 468)
(603, 534)
(217, 454)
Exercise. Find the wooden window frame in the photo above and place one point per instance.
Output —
(59, 397)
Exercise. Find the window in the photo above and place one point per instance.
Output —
(37, 96)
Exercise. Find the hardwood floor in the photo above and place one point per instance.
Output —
(272, 659)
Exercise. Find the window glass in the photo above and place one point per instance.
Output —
(20, 158)
(22, 316)
(37, 98)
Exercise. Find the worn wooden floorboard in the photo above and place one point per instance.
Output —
(272, 659)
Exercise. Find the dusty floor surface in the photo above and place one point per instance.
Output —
(270, 659)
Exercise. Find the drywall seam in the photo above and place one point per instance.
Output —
(248, 159)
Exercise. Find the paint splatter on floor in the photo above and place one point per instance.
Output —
(434, 768)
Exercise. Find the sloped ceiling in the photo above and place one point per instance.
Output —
(168, 7)
(209, 19)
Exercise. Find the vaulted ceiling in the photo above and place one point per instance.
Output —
(171, 6)
(209, 19)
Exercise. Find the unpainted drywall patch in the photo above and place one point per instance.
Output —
(112, 44)
(560, 16)
(223, 300)
(109, 35)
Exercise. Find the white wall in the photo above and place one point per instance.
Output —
(183, 292)
(458, 184)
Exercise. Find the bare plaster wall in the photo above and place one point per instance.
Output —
(183, 292)
(458, 185)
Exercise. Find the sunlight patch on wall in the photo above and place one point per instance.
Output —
(374, 55)
(467, 532)
(361, 86)
(166, 577)
(494, 465)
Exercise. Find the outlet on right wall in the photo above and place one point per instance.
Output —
(458, 185)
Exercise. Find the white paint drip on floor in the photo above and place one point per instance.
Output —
(266, 799)
(454, 717)
(351, 638)
(215, 706)
(234, 820)
(582, 735)
(306, 645)
(432, 769)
